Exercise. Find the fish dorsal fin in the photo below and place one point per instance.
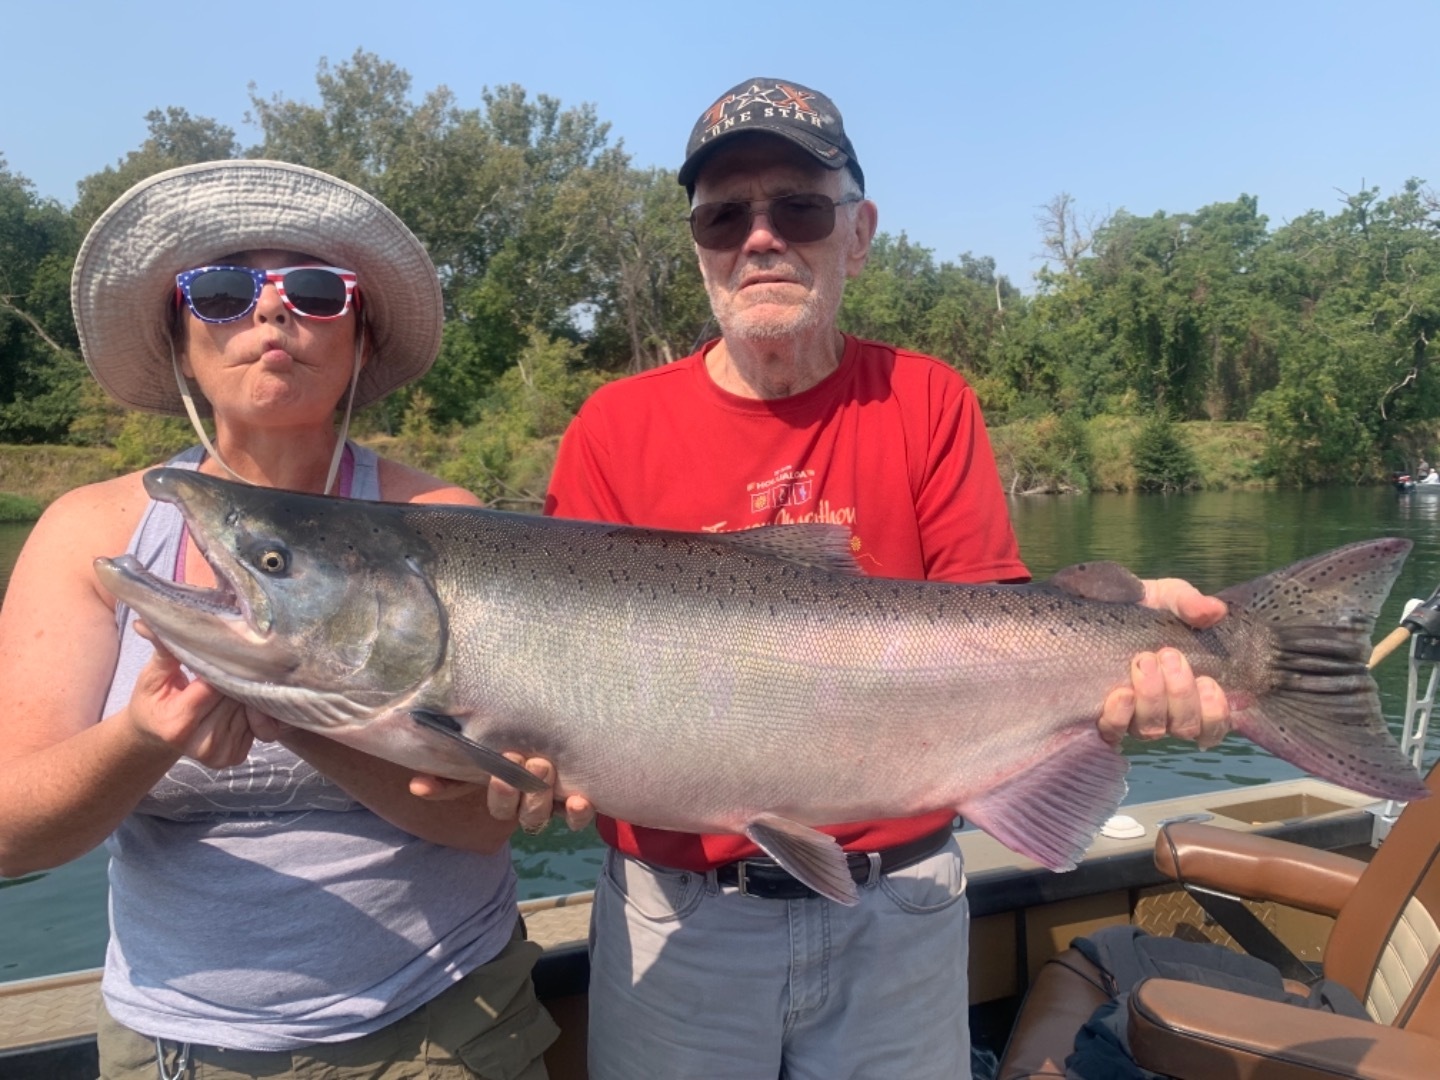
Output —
(1107, 581)
(817, 545)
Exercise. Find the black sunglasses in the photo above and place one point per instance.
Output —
(797, 219)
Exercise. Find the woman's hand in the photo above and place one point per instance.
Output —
(188, 716)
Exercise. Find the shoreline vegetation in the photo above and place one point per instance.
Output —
(1152, 351)
(1044, 457)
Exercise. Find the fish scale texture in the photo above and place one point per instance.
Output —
(649, 660)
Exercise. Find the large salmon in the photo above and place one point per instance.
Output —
(749, 682)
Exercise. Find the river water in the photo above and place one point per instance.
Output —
(56, 922)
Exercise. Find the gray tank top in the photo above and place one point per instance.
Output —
(260, 907)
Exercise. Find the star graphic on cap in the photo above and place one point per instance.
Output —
(749, 97)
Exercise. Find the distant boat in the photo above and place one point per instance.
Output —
(1419, 489)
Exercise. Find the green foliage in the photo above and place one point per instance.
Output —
(1161, 458)
(1358, 370)
(953, 311)
(145, 439)
(1049, 454)
(15, 508)
(651, 305)
(425, 446)
(507, 455)
(39, 370)
(45, 472)
(534, 220)
(551, 244)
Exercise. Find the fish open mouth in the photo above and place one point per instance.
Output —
(221, 602)
(229, 625)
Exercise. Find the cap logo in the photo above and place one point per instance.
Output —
(716, 112)
(784, 102)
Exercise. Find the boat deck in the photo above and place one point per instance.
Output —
(43, 1018)
(61, 1009)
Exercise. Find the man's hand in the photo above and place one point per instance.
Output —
(1164, 696)
(505, 803)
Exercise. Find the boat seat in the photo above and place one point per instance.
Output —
(1384, 948)
(1067, 989)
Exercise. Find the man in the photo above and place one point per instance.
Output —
(707, 959)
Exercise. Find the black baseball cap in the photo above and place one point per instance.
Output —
(781, 107)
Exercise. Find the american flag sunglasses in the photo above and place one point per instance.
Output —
(221, 294)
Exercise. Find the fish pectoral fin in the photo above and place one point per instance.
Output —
(492, 761)
(1050, 811)
(1106, 581)
(807, 854)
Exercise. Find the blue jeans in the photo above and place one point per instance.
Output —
(689, 979)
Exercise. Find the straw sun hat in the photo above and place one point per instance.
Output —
(124, 281)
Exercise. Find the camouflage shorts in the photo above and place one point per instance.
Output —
(488, 1026)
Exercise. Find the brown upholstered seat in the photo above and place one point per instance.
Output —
(1066, 991)
(1385, 947)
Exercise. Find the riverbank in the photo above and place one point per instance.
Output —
(1097, 455)
(41, 474)
(15, 509)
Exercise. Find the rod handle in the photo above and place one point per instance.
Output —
(1388, 644)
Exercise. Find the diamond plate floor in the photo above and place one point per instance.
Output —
(37, 1012)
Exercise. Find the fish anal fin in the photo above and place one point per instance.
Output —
(1051, 811)
(1106, 581)
(492, 761)
(807, 854)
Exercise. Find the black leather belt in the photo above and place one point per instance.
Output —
(765, 878)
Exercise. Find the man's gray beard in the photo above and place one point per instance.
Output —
(809, 320)
(767, 331)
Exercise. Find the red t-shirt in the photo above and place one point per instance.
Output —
(891, 444)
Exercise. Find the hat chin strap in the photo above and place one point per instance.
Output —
(335, 457)
(349, 408)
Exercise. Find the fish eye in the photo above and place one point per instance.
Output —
(273, 561)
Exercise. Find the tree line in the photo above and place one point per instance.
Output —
(564, 264)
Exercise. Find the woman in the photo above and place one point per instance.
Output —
(274, 904)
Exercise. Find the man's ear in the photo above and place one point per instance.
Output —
(867, 218)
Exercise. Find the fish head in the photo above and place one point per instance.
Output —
(323, 613)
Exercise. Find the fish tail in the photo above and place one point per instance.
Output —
(1321, 710)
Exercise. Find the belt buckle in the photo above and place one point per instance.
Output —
(740, 878)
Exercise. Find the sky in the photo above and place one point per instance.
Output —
(967, 117)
